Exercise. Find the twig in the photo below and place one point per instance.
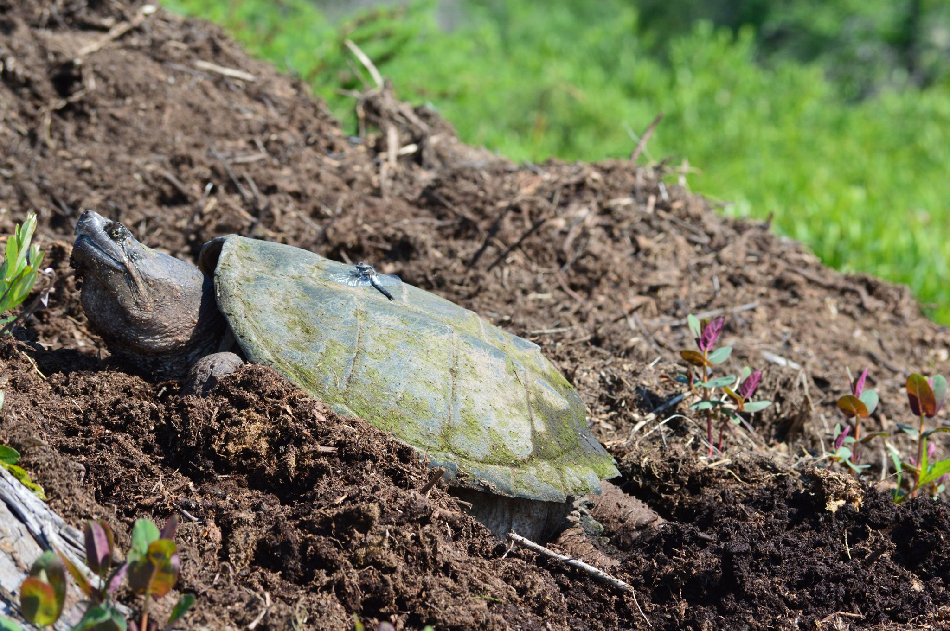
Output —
(365, 61)
(227, 169)
(434, 477)
(527, 233)
(580, 565)
(224, 71)
(665, 406)
(492, 231)
(117, 31)
(778, 360)
(642, 143)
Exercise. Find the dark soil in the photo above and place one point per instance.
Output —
(297, 518)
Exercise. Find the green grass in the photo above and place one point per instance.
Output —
(865, 184)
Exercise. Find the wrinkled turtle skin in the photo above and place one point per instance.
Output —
(482, 403)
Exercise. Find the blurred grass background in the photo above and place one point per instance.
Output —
(833, 116)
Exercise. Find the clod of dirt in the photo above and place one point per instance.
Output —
(836, 489)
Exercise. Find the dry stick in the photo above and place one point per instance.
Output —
(365, 61)
(117, 31)
(492, 231)
(225, 71)
(227, 169)
(530, 231)
(580, 565)
(434, 477)
(642, 143)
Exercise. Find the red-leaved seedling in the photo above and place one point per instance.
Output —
(858, 405)
(925, 398)
(738, 392)
(151, 567)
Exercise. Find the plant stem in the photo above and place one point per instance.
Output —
(144, 625)
(920, 456)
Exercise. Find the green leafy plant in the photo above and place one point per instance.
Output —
(151, 570)
(858, 405)
(737, 391)
(925, 397)
(9, 457)
(18, 274)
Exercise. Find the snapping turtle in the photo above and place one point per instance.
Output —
(507, 427)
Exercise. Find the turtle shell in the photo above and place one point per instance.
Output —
(481, 402)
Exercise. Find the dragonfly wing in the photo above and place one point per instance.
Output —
(388, 280)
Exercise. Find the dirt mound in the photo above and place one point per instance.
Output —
(297, 518)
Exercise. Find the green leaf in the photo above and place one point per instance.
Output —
(843, 453)
(163, 554)
(144, 532)
(694, 326)
(718, 382)
(937, 430)
(9, 625)
(705, 405)
(9, 455)
(936, 470)
(870, 400)
(50, 568)
(719, 355)
(157, 571)
(104, 617)
(756, 406)
(940, 389)
(38, 602)
(180, 609)
(20, 474)
(852, 406)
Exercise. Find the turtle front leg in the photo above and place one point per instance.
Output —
(206, 372)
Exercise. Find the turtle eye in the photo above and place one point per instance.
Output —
(118, 232)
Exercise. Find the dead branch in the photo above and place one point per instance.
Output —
(117, 31)
(579, 565)
(367, 63)
(642, 143)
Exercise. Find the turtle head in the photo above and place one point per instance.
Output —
(149, 307)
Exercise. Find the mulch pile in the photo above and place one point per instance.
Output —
(297, 518)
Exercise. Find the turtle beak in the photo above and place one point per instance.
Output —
(96, 252)
(93, 245)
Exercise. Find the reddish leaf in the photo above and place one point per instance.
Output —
(748, 387)
(84, 586)
(841, 437)
(695, 358)
(858, 386)
(921, 396)
(170, 527)
(852, 406)
(711, 333)
(98, 548)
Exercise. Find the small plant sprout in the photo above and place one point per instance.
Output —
(151, 569)
(858, 405)
(18, 273)
(925, 397)
(737, 391)
(9, 457)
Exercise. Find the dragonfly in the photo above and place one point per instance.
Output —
(363, 275)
